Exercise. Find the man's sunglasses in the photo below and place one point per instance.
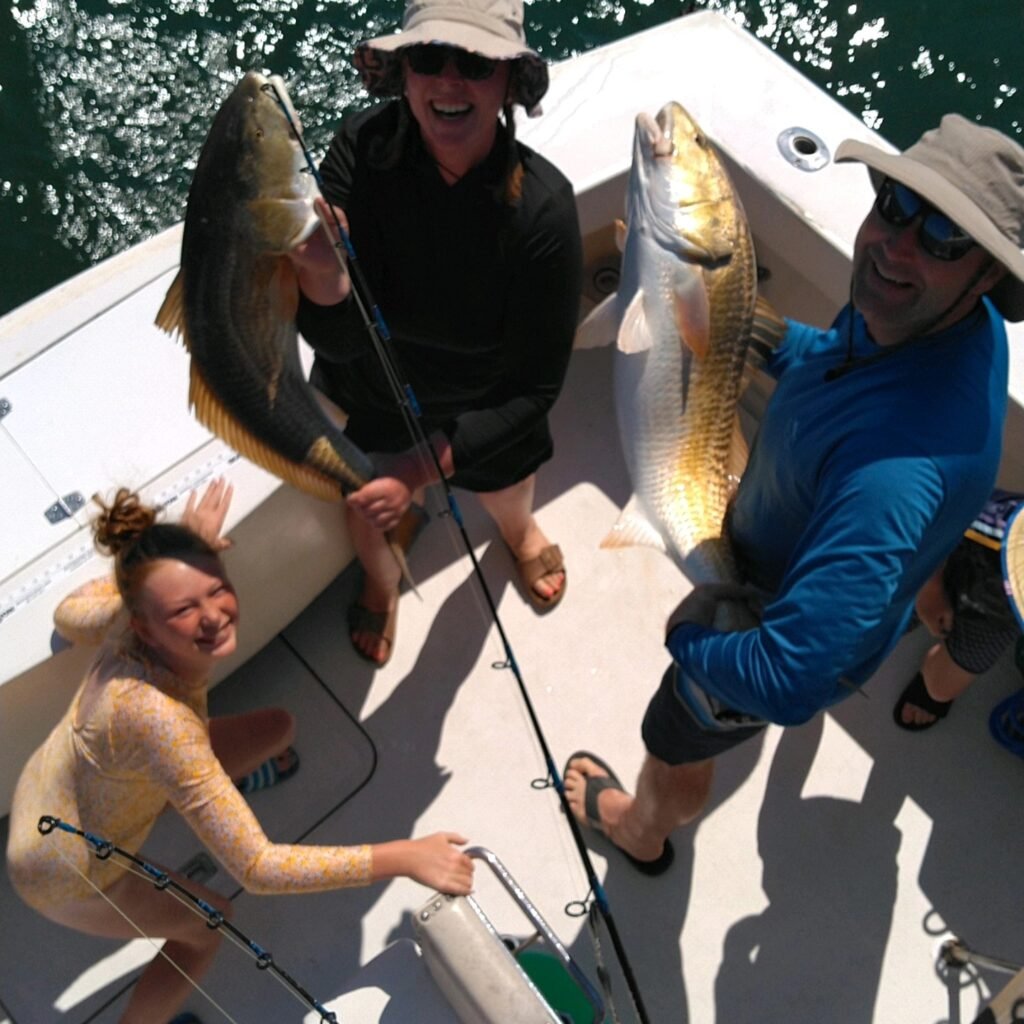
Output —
(430, 59)
(939, 236)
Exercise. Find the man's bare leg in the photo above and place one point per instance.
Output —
(667, 796)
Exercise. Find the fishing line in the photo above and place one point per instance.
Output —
(264, 960)
(46, 825)
(377, 328)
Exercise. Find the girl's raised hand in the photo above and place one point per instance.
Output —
(205, 516)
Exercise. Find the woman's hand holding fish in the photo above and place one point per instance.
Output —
(322, 274)
(384, 500)
(205, 516)
(701, 604)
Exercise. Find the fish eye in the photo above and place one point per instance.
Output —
(259, 133)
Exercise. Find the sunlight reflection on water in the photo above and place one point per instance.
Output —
(104, 105)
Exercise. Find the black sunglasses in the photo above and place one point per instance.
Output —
(939, 236)
(431, 58)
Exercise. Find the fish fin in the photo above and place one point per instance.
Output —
(283, 292)
(633, 529)
(739, 453)
(634, 333)
(333, 412)
(284, 289)
(621, 231)
(766, 332)
(283, 223)
(170, 317)
(403, 563)
(692, 312)
(212, 414)
(600, 325)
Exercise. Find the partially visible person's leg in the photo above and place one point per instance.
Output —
(512, 509)
(944, 681)
(191, 944)
(973, 643)
(243, 742)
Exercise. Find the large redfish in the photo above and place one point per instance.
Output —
(235, 297)
(682, 316)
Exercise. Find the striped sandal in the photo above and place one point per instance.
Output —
(271, 772)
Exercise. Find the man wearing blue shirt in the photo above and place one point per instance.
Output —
(880, 444)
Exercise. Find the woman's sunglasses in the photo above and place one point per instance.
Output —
(939, 236)
(430, 59)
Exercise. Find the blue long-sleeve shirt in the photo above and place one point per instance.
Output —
(857, 488)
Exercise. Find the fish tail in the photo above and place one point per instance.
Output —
(219, 421)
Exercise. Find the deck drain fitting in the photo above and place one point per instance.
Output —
(803, 149)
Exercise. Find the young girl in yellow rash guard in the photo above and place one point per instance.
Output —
(137, 737)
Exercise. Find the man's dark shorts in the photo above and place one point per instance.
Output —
(673, 735)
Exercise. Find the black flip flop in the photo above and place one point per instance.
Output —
(916, 693)
(596, 785)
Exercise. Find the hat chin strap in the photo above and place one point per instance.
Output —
(919, 336)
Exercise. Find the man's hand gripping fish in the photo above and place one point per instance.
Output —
(683, 318)
(235, 297)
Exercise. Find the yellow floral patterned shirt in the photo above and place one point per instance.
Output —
(145, 743)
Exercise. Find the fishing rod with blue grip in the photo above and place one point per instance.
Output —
(373, 318)
(375, 324)
(215, 920)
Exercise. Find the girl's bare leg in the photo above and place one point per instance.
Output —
(243, 742)
(190, 943)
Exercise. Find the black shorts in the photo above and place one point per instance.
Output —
(673, 735)
(385, 430)
(976, 640)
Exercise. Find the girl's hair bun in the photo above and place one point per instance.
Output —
(121, 523)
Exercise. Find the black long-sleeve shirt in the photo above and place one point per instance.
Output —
(480, 298)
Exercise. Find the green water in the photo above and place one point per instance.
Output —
(104, 105)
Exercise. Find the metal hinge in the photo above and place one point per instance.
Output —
(65, 508)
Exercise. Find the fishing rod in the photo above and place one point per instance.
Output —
(215, 920)
(376, 326)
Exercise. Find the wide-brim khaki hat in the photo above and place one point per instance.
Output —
(491, 28)
(975, 176)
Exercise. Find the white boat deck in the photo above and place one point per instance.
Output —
(835, 857)
(834, 860)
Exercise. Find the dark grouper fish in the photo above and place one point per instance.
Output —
(235, 297)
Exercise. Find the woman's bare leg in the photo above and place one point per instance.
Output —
(382, 578)
(512, 509)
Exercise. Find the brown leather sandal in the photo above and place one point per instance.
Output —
(548, 561)
(380, 624)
